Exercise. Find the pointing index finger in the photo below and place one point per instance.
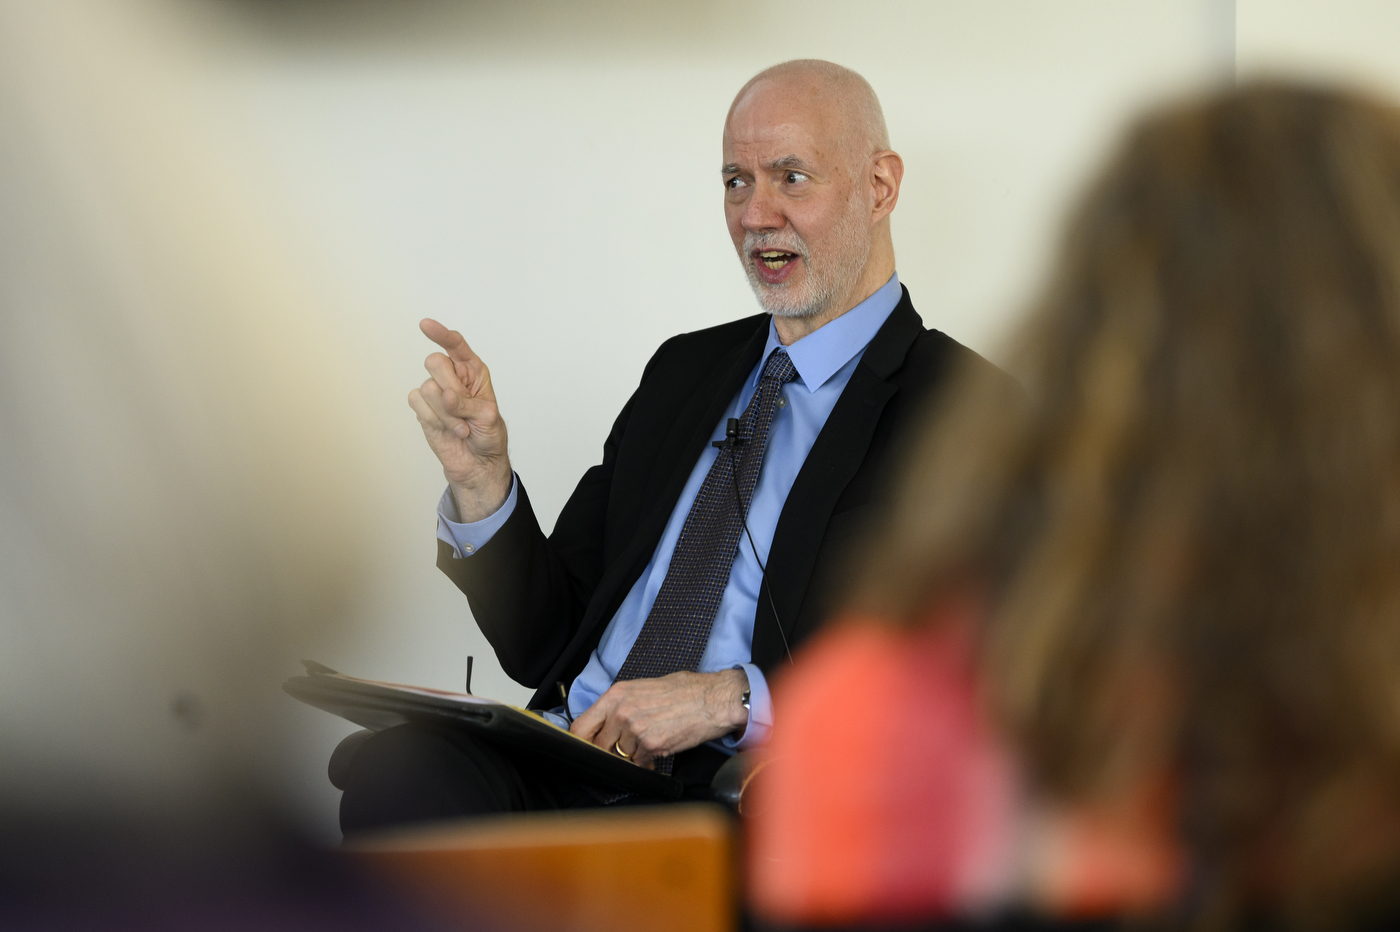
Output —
(450, 340)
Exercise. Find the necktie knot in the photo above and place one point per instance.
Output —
(780, 367)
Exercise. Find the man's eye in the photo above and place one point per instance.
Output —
(795, 177)
(736, 182)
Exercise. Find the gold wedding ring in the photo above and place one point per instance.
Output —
(617, 747)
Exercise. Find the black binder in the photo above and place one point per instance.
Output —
(377, 705)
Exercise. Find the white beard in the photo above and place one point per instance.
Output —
(826, 281)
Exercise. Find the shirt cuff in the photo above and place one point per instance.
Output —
(467, 539)
(760, 712)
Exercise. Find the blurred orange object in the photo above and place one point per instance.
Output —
(890, 797)
(887, 796)
(593, 871)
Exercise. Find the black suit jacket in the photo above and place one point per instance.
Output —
(543, 602)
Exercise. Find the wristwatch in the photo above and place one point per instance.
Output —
(744, 700)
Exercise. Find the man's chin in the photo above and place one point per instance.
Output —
(794, 313)
(780, 301)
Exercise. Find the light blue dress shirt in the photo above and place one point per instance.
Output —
(824, 360)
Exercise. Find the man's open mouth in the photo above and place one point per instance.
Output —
(775, 259)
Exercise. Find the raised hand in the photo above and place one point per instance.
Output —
(457, 409)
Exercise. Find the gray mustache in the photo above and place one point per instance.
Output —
(787, 242)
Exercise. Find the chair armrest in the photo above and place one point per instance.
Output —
(727, 785)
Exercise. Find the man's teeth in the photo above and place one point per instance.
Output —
(776, 260)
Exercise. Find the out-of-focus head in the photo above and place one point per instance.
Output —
(807, 174)
(163, 564)
(1191, 534)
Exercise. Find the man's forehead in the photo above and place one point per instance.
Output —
(775, 119)
(779, 145)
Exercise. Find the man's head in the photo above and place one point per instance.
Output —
(809, 186)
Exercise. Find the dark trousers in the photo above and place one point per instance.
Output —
(417, 773)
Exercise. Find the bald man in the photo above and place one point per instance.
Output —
(695, 557)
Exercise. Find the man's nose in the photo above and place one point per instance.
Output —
(762, 213)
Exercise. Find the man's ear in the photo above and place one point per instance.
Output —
(887, 171)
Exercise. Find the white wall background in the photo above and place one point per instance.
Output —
(543, 176)
(1347, 40)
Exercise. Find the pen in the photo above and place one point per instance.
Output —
(564, 694)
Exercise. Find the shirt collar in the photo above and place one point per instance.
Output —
(823, 352)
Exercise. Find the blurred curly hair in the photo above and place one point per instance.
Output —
(1190, 535)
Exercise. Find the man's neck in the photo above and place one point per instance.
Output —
(872, 279)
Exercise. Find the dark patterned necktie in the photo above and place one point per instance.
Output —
(674, 636)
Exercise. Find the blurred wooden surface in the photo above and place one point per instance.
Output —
(595, 871)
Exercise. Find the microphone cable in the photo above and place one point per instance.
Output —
(730, 443)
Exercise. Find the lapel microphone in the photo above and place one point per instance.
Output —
(731, 438)
(731, 443)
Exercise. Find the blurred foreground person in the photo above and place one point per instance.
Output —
(1137, 644)
(167, 539)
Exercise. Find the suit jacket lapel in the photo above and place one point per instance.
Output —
(837, 454)
(692, 429)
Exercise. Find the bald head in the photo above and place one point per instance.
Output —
(809, 186)
(846, 100)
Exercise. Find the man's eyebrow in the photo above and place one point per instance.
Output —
(777, 165)
(787, 161)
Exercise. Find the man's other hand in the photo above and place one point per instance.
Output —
(457, 409)
(655, 718)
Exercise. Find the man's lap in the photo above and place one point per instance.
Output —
(416, 773)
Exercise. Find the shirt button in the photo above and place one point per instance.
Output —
(782, 402)
(468, 548)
